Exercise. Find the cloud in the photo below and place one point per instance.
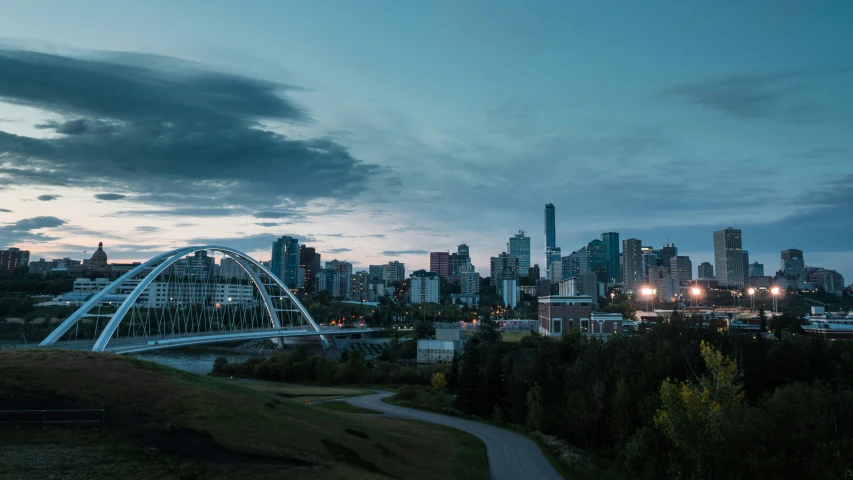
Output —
(398, 253)
(48, 198)
(268, 224)
(5, 210)
(748, 95)
(147, 229)
(337, 250)
(249, 243)
(156, 125)
(278, 214)
(110, 196)
(23, 230)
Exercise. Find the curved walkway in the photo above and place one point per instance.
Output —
(511, 456)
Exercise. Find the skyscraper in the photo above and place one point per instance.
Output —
(728, 258)
(340, 273)
(632, 263)
(793, 264)
(706, 271)
(285, 260)
(552, 254)
(681, 268)
(394, 271)
(309, 260)
(611, 251)
(519, 247)
(424, 287)
(439, 262)
(503, 266)
(459, 261)
(550, 227)
(666, 253)
(598, 260)
(756, 269)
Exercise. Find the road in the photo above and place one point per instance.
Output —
(511, 456)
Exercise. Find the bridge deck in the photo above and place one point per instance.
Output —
(141, 344)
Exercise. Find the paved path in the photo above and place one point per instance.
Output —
(511, 456)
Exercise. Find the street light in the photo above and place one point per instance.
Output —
(697, 292)
(751, 293)
(775, 292)
(649, 292)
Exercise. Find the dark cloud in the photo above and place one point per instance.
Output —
(147, 229)
(397, 253)
(5, 210)
(155, 126)
(48, 198)
(268, 224)
(337, 250)
(24, 230)
(110, 196)
(277, 214)
(754, 95)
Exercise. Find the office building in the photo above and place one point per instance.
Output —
(12, 258)
(285, 260)
(309, 260)
(230, 269)
(706, 271)
(650, 260)
(533, 272)
(425, 287)
(611, 250)
(756, 269)
(681, 268)
(469, 282)
(578, 263)
(510, 292)
(394, 271)
(550, 226)
(360, 286)
(201, 265)
(41, 267)
(501, 267)
(558, 314)
(666, 253)
(598, 259)
(439, 262)
(339, 278)
(829, 280)
(376, 272)
(632, 263)
(793, 264)
(556, 272)
(552, 254)
(729, 259)
(519, 247)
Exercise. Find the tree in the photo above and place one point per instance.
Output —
(699, 417)
(439, 381)
(453, 376)
(219, 365)
(535, 409)
(763, 317)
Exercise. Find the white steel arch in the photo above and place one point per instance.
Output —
(159, 264)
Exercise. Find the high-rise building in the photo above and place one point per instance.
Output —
(534, 272)
(611, 250)
(285, 260)
(579, 263)
(425, 287)
(360, 286)
(509, 292)
(376, 272)
(200, 265)
(681, 268)
(501, 267)
(552, 254)
(12, 258)
(598, 260)
(394, 271)
(830, 280)
(756, 269)
(459, 261)
(793, 264)
(309, 260)
(632, 263)
(469, 281)
(341, 278)
(439, 262)
(229, 268)
(519, 247)
(556, 272)
(651, 259)
(706, 271)
(728, 258)
(666, 253)
(39, 267)
(550, 227)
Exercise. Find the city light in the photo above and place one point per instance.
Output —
(774, 290)
(751, 291)
(696, 292)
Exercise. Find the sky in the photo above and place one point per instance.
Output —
(383, 130)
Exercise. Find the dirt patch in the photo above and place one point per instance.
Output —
(201, 446)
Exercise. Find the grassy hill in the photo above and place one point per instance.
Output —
(165, 423)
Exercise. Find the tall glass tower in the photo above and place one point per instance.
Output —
(552, 253)
(285, 260)
(611, 250)
(519, 247)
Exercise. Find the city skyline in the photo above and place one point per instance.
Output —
(410, 153)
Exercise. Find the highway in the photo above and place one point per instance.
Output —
(511, 456)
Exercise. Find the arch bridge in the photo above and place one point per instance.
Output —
(190, 296)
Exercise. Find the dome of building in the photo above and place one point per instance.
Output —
(99, 258)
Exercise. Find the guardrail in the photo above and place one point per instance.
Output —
(52, 417)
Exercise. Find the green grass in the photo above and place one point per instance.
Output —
(514, 336)
(343, 407)
(220, 428)
(296, 392)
